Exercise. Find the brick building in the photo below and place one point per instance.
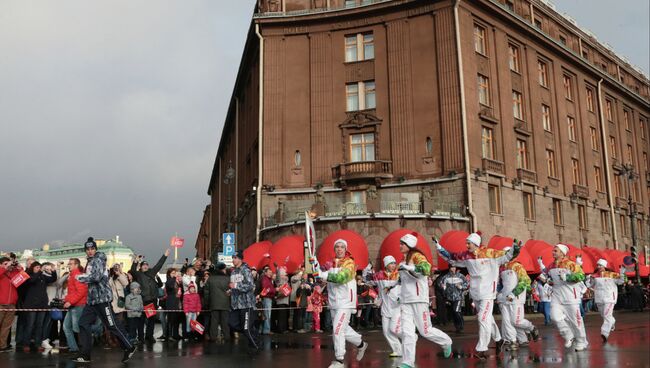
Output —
(502, 116)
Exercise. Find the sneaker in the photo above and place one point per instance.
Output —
(128, 353)
(362, 351)
(534, 334)
(604, 338)
(81, 359)
(523, 344)
(568, 343)
(580, 347)
(404, 365)
(336, 364)
(514, 346)
(446, 351)
(6, 349)
(46, 344)
(499, 346)
(301, 331)
(481, 355)
(394, 355)
(319, 331)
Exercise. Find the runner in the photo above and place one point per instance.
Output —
(604, 283)
(482, 264)
(414, 301)
(242, 300)
(342, 300)
(389, 291)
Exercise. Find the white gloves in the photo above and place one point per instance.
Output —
(510, 297)
(622, 270)
(407, 267)
(540, 263)
(579, 260)
(438, 246)
(563, 276)
(323, 275)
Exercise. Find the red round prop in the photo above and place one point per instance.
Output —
(454, 242)
(539, 248)
(289, 252)
(356, 246)
(390, 245)
(501, 242)
(257, 254)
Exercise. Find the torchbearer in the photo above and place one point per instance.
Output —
(482, 264)
(342, 300)
(604, 283)
(414, 301)
(387, 281)
(567, 278)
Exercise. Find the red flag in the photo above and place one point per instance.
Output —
(19, 278)
(177, 242)
(196, 326)
(149, 310)
(285, 290)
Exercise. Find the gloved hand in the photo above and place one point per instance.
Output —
(622, 270)
(579, 260)
(407, 267)
(540, 263)
(323, 275)
(435, 242)
(510, 297)
(563, 276)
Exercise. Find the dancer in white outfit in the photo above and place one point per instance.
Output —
(605, 294)
(387, 282)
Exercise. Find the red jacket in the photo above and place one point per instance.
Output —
(192, 303)
(8, 292)
(77, 291)
(267, 284)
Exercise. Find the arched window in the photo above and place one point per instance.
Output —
(297, 158)
(429, 145)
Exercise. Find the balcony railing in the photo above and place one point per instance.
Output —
(581, 190)
(401, 207)
(527, 175)
(274, 9)
(493, 166)
(363, 170)
(348, 209)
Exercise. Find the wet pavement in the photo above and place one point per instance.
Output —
(628, 347)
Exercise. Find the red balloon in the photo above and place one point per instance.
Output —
(453, 241)
(524, 257)
(356, 246)
(289, 252)
(598, 254)
(539, 248)
(588, 262)
(257, 255)
(390, 246)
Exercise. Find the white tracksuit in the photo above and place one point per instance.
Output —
(605, 296)
(389, 291)
(342, 299)
(414, 299)
(513, 322)
(484, 273)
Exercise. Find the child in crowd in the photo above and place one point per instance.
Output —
(316, 301)
(135, 319)
(191, 306)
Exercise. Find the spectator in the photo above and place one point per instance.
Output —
(544, 291)
(146, 277)
(302, 295)
(135, 305)
(242, 301)
(218, 302)
(36, 298)
(75, 300)
(118, 281)
(192, 309)
(267, 294)
(8, 299)
(295, 281)
(282, 299)
(316, 303)
(441, 302)
(454, 284)
(55, 294)
(173, 290)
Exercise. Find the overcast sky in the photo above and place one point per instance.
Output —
(111, 111)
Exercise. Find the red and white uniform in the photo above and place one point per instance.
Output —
(605, 296)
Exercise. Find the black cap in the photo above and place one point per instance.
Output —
(239, 254)
(90, 243)
(221, 266)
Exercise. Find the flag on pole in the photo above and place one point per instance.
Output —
(196, 326)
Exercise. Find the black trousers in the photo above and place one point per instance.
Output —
(151, 322)
(219, 318)
(243, 321)
(103, 311)
(457, 314)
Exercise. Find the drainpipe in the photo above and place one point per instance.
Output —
(260, 135)
(463, 116)
(608, 174)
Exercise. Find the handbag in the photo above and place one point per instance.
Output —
(121, 302)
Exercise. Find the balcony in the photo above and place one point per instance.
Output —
(527, 175)
(621, 202)
(401, 207)
(581, 191)
(493, 166)
(362, 170)
(347, 209)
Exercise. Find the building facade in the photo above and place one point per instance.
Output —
(499, 116)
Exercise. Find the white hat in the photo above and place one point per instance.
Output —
(563, 248)
(602, 262)
(342, 241)
(410, 240)
(388, 260)
(474, 238)
(505, 249)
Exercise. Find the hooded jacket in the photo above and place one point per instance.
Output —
(133, 302)
(96, 277)
(243, 293)
(604, 285)
(77, 291)
(8, 292)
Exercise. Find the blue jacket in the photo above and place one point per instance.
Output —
(243, 294)
(96, 276)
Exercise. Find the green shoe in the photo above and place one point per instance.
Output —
(446, 351)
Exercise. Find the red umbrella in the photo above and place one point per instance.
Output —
(597, 254)
(501, 242)
(257, 254)
(289, 252)
(539, 248)
(390, 245)
(356, 246)
(454, 242)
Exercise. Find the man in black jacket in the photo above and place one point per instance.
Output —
(146, 277)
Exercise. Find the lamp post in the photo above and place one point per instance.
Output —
(627, 172)
(228, 180)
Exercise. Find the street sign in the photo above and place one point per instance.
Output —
(177, 242)
(225, 259)
(228, 250)
(229, 239)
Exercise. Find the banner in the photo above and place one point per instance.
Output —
(196, 326)
(177, 242)
(19, 278)
(149, 310)
(285, 290)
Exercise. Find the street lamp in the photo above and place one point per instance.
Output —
(627, 172)
(228, 179)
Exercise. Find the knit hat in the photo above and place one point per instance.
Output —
(474, 238)
(563, 248)
(238, 254)
(602, 262)
(90, 243)
(342, 241)
(134, 286)
(388, 260)
(410, 240)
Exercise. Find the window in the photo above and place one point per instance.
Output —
(483, 90)
(362, 147)
(590, 99)
(598, 179)
(510, 5)
(575, 171)
(608, 109)
(350, 3)
(604, 221)
(617, 186)
(517, 105)
(529, 206)
(582, 217)
(557, 212)
(522, 154)
(623, 225)
(642, 128)
(514, 58)
(297, 159)
(480, 45)
(538, 23)
(571, 123)
(542, 71)
(593, 134)
(487, 142)
(612, 146)
(358, 196)
(429, 145)
(359, 47)
(629, 155)
(546, 118)
(626, 119)
(355, 101)
(585, 53)
(566, 80)
(639, 227)
(645, 160)
(562, 39)
(550, 164)
(494, 192)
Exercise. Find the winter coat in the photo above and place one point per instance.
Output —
(302, 295)
(415, 284)
(147, 280)
(77, 291)
(117, 287)
(569, 290)
(514, 284)
(192, 303)
(56, 290)
(133, 302)
(8, 292)
(267, 287)
(242, 294)
(604, 285)
(36, 289)
(96, 276)
(214, 292)
(171, 289)
(341, 285)
(453, 285)
(389, 291)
